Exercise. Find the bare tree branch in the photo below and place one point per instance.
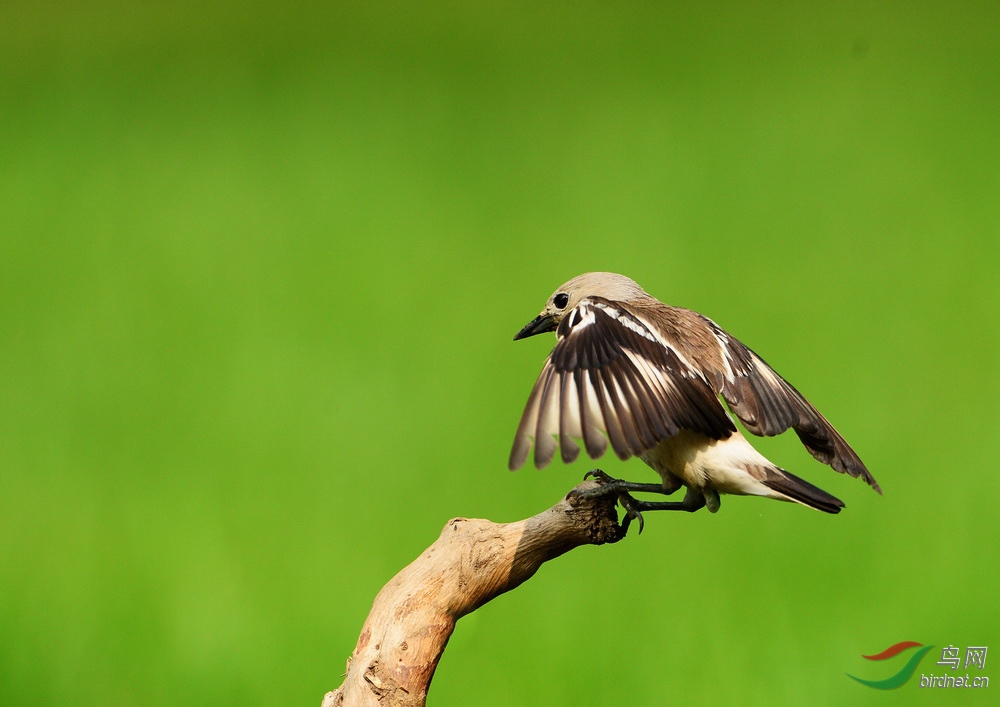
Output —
(472, 562)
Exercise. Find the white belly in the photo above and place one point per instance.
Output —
(725, 465)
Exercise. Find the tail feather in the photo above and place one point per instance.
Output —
(800, 490)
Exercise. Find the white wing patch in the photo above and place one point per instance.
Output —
(582, 315)
(629, 321)
(723, 338)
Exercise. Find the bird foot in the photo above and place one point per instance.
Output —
(694, 499)
(598, 475)
(632, 512)
(611, 486)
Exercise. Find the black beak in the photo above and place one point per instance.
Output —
(538, 325)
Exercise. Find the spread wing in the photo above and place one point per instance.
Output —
(610, 379)
(768, 405)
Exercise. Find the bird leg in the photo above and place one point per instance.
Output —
(693, 501)
(633, 508)
(610, 484)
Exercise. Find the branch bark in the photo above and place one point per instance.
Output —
(472, 562)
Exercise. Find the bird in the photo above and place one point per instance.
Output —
(649, 379)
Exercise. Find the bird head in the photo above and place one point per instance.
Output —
(592, 284)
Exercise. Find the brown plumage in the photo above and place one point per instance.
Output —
(647, 378)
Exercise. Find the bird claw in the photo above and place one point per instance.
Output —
(597, 475)
(629, 505)
(610, 485)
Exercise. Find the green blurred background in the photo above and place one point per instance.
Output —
(260, 269)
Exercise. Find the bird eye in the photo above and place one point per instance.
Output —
(560, 300)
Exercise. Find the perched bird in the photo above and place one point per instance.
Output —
(646, 377)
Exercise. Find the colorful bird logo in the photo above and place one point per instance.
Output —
(891, 683)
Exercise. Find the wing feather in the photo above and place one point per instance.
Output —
(548, 420)
(768, 404)
(569, 420)
(593, 436)
(611, 380)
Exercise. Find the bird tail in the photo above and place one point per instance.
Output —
(800, 490)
